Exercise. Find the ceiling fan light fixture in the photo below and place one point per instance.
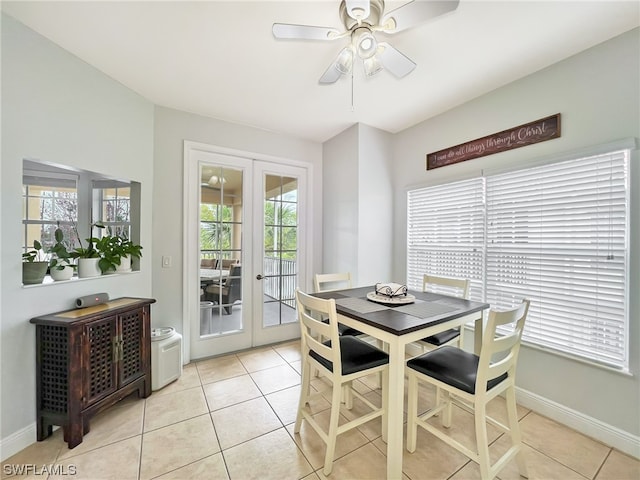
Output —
(372, 66)
(365, 43)
(216, 180)
(344, 61)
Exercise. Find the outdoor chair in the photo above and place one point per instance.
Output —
(228, 293)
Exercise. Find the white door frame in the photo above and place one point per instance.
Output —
(190, 239)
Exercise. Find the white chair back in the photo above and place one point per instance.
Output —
(454, 287)
(327, 282)
(505, 347)
(311, 311)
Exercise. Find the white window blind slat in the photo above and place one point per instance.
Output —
(556, 234)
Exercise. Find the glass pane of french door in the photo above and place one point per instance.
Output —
(280, 257)
(221, 229)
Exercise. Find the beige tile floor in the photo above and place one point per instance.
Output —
(232, 418)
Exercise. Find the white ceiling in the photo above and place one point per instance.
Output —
(219, 59)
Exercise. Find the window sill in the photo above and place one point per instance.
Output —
(48, 281)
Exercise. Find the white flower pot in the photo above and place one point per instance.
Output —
(125, 264)
(65, 274)
(88, 267)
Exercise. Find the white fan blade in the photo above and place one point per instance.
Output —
(304, 32)
(331, 75)
(357, 9)
(415, 13)
(394, 61)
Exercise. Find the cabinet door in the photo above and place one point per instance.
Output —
(100, 375)
(132, 347)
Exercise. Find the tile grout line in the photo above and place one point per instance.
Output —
(144, 413)
(603, 462)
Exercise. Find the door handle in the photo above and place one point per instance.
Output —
(259, 277)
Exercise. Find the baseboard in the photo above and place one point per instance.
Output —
(591, 427)
(17, 441)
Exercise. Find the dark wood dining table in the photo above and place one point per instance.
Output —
(398, 325)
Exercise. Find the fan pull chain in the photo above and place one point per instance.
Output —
(352, 107)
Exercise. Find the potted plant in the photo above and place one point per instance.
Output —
(88, 257)
(60, 266)
(109, 256)
(34, 265)
(116, 253)
(128, 250)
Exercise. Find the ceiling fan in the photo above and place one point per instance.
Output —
(362, 19)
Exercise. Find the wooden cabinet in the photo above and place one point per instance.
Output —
(87, 360)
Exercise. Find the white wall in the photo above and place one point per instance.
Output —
(375, 208)
(597, 93)
(57, 108)
(340, 204)
(357, 204)
(172, 128)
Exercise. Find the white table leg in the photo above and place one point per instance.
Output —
(395, 412)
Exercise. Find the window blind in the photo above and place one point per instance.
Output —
(445, 233)
(556, 234)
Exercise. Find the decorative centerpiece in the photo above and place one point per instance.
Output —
(390, 294)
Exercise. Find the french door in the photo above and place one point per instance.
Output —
(244, 238)
(278, 250)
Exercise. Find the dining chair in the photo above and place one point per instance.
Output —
(341, 359)
(327, 282)
(455, 287)
(471, 382)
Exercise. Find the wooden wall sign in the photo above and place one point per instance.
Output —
(520, 136)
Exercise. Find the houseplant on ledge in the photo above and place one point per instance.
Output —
(128, 250)
(116, 253)
(88, 257)
(60, 266)
(34, 266)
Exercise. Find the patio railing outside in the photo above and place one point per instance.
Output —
(279, 279)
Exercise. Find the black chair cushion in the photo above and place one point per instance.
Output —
(348, 331)
(344, 330)
(452, 366)
(356, 355)
(443, 337)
